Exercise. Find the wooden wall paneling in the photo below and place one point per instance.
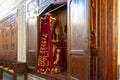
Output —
(107, 28)
(94, 40)
(3, 36)
(13, 39)
(0, 40)
(78, 39)
(6, 33)
(32, 41)
(115, 41)
(32, 35)
(108, 56)
(112, 44)
(7, 38)
(102, 32)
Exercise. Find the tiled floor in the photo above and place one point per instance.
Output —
(7, 76)
(20, 76)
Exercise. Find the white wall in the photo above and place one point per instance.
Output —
(7, 5)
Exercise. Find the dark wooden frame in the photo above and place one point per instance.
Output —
(78, 57)
(108, 36)
(94, 26)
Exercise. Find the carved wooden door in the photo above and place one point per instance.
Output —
(78, 39)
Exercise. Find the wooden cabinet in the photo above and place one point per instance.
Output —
(72, 20)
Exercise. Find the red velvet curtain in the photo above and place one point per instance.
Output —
(45, 56)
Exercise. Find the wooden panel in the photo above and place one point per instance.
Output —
(106, 51)
(94, 68)
(78, 38)
(32, 38)
(79, 22)
(9, 37)
(115, 41)
(13, 40)
(31, 58)
(79, 67)
(94, 42)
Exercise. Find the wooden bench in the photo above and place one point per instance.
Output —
(12, 67)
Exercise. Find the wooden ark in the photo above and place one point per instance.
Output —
(86, 28)
(90, 38)
(75, 48)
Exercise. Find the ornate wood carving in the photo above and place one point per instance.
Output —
(93, 24)
(94, 40)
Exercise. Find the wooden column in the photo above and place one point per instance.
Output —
(107, 49)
